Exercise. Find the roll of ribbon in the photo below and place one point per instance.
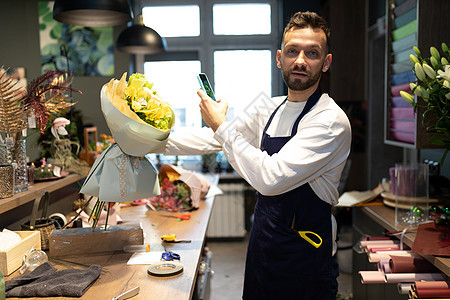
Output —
(165, 269)
(404, 288)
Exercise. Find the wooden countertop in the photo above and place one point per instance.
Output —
(118, 277)
(385, 216)
(27, 196)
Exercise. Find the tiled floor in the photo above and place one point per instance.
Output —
(228, 259)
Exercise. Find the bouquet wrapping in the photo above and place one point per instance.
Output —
(180, 189)
(123, 173)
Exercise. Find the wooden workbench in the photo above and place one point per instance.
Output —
(118, 277)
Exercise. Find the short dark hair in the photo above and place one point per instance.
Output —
(308, 19)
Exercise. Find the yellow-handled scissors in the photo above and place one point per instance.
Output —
(304, 234)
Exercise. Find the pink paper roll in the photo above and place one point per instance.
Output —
(381, 263)
(386, 268)
(385, 248)
(375, 257)
(411, 277)
(371, 277)
(380, 242)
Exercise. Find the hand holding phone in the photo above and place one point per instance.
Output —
(205, 85)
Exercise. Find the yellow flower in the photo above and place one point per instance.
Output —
(429, 71)
(136, 106)
(413, 59)
(407, 96)
(435, 53)
(419, 71)
(434, 62)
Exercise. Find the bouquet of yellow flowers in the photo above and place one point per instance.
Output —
(140, 123)
(147, 104)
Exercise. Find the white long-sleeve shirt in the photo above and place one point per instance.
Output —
(315, 155)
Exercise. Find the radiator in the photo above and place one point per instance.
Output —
(227, 217)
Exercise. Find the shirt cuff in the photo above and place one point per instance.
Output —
(222, 133)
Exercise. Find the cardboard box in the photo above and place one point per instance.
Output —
(11, 259)
(76, 241)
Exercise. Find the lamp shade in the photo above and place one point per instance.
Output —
(140, 39)
(92, 13)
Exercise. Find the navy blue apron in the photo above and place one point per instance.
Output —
(280, 263)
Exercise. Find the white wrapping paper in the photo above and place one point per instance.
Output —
(122, 173)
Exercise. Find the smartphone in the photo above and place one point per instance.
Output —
(205, 85)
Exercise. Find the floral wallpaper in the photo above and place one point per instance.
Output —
(87, 51)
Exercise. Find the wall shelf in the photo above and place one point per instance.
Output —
(21, 198)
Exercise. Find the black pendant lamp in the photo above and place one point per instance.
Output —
(92, 13)
(140, 39)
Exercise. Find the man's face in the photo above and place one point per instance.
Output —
(303, 57)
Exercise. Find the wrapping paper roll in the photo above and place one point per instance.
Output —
(383, 248)
(371, 277)
(403, 264)
(433, 293)
(412, 277)
(378, 242)
(432, 285)
(382, 264)
(404, 287)
(375, 257)
(379, 238)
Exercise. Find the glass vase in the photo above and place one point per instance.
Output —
(19, 158)
(5, 155)
(411, 193)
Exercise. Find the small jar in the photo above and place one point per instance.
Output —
(30, 170)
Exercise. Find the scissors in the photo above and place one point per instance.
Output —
(304, 235)
(169, 255)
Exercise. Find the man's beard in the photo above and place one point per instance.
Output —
(297, 84)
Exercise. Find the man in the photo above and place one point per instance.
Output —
(292, 151)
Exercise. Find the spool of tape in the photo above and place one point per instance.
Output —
(165, 269)
(59, 219)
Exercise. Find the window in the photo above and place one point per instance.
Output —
(233, 42)
(246, 19)
(174, 20)
(242, 75)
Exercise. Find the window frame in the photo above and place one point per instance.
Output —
(182, 48)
